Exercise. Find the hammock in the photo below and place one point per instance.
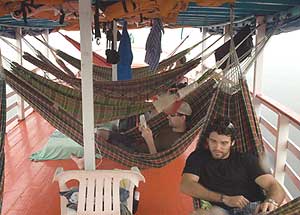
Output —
(232, 100)
(63, 97)
(238, 107)
(97, 59)
(104, 73)
(72, 127)
(137, 89)
(290, 208)
(64, 122)
(48, 66)
(2, 129)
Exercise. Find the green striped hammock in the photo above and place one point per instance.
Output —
(67, 124)
(105, 73)
(69, 99)
(238, 107)
(290, 208)
(137, 89)
(232, 100)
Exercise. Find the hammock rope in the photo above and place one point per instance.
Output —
(17, 49)
(2, 127)
(180, 44)
(211, 72)
(60, 62)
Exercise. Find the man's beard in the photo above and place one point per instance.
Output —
(220, 155)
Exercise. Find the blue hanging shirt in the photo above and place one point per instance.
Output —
(126, 56)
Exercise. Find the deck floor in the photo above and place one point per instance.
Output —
(28, 187)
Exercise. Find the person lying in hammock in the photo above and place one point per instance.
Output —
(178, 116)
(232, 182)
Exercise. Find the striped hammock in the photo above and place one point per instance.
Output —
(290, 208)
(105, 73)
(239, 109)
(49, 67)
(69, 99)
(137, 89)
(72, 127)
(97, 59)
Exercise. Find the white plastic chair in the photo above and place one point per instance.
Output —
(98, 190)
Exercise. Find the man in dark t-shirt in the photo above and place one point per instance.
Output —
(230, 181)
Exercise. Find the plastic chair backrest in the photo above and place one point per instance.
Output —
(99, 190)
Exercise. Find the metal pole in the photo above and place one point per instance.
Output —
(114, 66)
(258, 65)
(20, 101)
(85, 20)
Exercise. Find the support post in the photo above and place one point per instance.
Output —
(114, 66)
(20, 101)
(258, 65)
(281, 148)
(85, 21)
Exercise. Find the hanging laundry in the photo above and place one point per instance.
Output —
(126, 56)
(153, 44)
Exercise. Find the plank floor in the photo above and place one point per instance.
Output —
(29, 190)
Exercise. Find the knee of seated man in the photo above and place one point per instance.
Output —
(103, 133)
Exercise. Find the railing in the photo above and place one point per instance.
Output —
(12, 112)
(283, 145)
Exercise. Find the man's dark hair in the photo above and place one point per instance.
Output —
(222, 126)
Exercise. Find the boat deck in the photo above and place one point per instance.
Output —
(29, 190)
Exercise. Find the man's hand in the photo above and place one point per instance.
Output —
(147, 135)
(265, 207)
(235, 201)
(146, 132)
